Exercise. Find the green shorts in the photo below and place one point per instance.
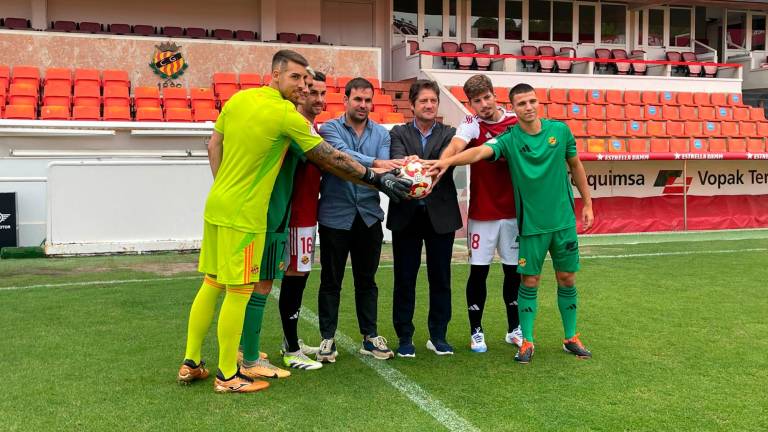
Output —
(563, 247)
(230, 254)
(275, 259)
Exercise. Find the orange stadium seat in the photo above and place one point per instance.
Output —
(723, 113)
(675, 128)
(54, 113)
(577, 111)
(341, 82)
(458, 93)
(614, 97)
(577, 96)
(652, 112)
(635, 128)
(711, 128)
(706, 113)
(558, 96)
(177, 115)
(393, 118)
(61, 76)
(376, 116)
(718, 99)
(633, 112)
(650, 97)
(692, 128)
(557, 111)
(174, 97)
(323, 117)
(502, 95)
(147, 114)
(596, 128)
(756, 113)
(541, 94)
(57, 94)
(616, 128)
(685, 98)
(116, 95)
(581, 145)
(3, 96)
(87, 95)
(29, 75)
(678, 145)
(748, 129)
(638, 145)
(632, 97)
(22, 94)
(717, 145)
(701, 99)
(86, 113)
(250, 80)
(655, 128)
(737, 145)
(226, 95)
(118, 113)
(376, 85)
(740, 113)
(330, 84)
(668, 98)
(20, 112)
(382, 103)
(688, 113)
(577, 127)
(734, 99)
(698, 145)
(146, 97)
(202, 97)
(595, 111)
(596, 96)
(542, 110)
(617, 145)
(670, 112)
(595, 145)
(5, 76)
(762, 129)
(115, 78)
(659, 145)
(755, 145)
(87, 76)
(205, 114)
(613, 111)
(729, 129)
(224, 81)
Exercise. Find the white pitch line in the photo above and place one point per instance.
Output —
(425, 401)
(584, 257)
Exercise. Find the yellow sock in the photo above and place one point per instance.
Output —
(200, 317)
(230, 328)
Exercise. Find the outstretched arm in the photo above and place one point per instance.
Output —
(580, 178)
(464, 158)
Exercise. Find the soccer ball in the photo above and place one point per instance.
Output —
(416, 173)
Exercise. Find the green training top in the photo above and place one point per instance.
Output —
(537, 163)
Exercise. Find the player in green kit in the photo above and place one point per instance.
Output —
(537, 151)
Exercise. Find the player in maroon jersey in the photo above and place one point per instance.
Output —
(492, 225)
(302, 226)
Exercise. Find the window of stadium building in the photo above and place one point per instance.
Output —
(485, 19)
(513, 20)
(539, 21)
(586, 23)
(737, 29)
(679, 27)
(551, 21)
(758, 32)
(655, 27)
(433, 18)
(613, 24)
(452, 18)
(405, 17)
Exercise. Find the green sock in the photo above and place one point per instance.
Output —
(526, 307)
(567, 299)
(254, 315)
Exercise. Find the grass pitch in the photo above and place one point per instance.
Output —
(677, 327)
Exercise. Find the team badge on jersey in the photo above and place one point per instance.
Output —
(168, 61)
(521, 262)
(552, 141)
(305, 260)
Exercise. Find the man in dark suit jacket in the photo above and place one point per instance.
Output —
(431, 221)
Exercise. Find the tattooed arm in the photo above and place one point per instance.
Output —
(337, 163)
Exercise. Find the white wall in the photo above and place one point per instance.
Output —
(228, 14)
(299, 16)
(16, 9)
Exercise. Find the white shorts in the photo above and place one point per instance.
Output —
(484, 238)
(302, 248)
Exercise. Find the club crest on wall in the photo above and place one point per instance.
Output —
(168, 61)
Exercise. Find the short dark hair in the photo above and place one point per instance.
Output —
(318, 76)
(477, 85)
(521, 88)
(420, 85)
(357, 83)
(282, 57)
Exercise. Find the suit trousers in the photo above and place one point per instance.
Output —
(406, 250)
(363, 243)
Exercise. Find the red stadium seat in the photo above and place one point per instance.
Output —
(711, 128)
(638, 145)
(740, 113)
(172, 31)
(202, 97)
(670, 112)
(616, 128)
(250, 80)
(376, 116)
(577, 96)
(675, 129)
(701, 99)
(635, 128)
(652, 112)
(246, 35)
(557, 111)
(668, 98)
(729, 129)
(596, 128)
(698, 145)
(205, 115)
(737, 145)
(617, 145)
(595, 145)
(196, 33)
(382, 103)
(718, 145)
(115, 78)
(341, 82)
(18, 23)
(28, 75)
(614, 97)
(458, 93)
(596, 96)
(735, 99)
(20, 112)
(22, 94)
(594, 111)
(60, 76)
(54, 113)
(86, 113)
(146, 97)
(118, 113)
(719, 99)
(748, 129)
(633, 112)
(632, 97)
(87, 95)
(655, 128)
(90, 27)
(225, 95)
(762, 129)
(178, 115)
(57, 94)
(223, 34)
(144, 30)
(5, 76)
(707, 113)
(659, 145)
(581, 145)
(692, 128)
(757, 113)
(558, 96)
(688, 113)
(116, 96)
(577, 111)
(502, 95)
(723, 113)
(323, 117)
(174, 97)
(393, 118)
(678, 145)
(577, 127)
(650, 97)
(541, 94)
(685, 98)
(613, 111)
(542, 110)
(755, 145)
(146, 114)
(87, 76)
(120, 29)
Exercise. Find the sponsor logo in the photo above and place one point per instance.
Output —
(572, 246)
(552, 141)
(474, 307)
(167, 61)
(528, 309)
(525, 149)
(613, 179)
(4, 217)
(672, 182)
(521, 262)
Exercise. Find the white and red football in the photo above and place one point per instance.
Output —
(416, 173)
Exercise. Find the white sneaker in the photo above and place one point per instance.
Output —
(327, 351)
(477, 341)
(515, 337)
(306, 349)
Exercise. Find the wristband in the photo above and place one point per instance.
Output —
(369, 176)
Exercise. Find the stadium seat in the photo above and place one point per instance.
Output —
(246, 35)
(382, 103)
(757, 113)
(20, 112)
(594, 111)
(616, 145)
(323, 117)
(706, 113)
(177, 115)
(86, 113)
(309, 38)
(639, 68)
(734, 99)
(223, 34)
(146, 114)
(376, 116)
(581, 145)
(577, 96)
(697, 145)
(692, 70)
(57, 94)
(541, 109)
(675, 128)
(287, 37)
(541, 94)
(740, 113)
(502, 95)
(3, 97)
(748, 129)
(659, 145)
(755, 145)
(120, 29)
(250, 80)
(29, 75)
(118, 113)
(577, 111)
(692, 128)
(622, 68)
(565, 66)
(17, 23)
(393, 118)
(596, 96)
(701, 99)
(413, 47)
(448, 47)
(22, 94)
(718, 99)
(637, 145)
(144, 30)
(723, 113)
(650, 97)
(146, 97)
(87, 76)
(174, 97)
(63, 26)
(266, 79)
(615, 112)
(225, 95)
(737, 145)
(685, 98)
(632, 97)
(633, 112)
(596, 128)
(717, 145)
(54, 113)
(595, 145)
(670, 112)
(202, 97)
(616, 128)
(558, 96)
(557, 111)
(635, 128)
(762, 129)
(668, 98)
(61, 76)
(116, 96)
(456, 91)
(729, 129)
(115, 78)
(678, 145)
(652, 112)
(5, 76)
(376, 85)
(172, 31)
(546, 65)
(87, 94)
(688, 113)
(603, 54)
(614, 97)
(711, 128)
(196, 33)
(341, 82)
(655, 128)
(577, 127)
(90, 27)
